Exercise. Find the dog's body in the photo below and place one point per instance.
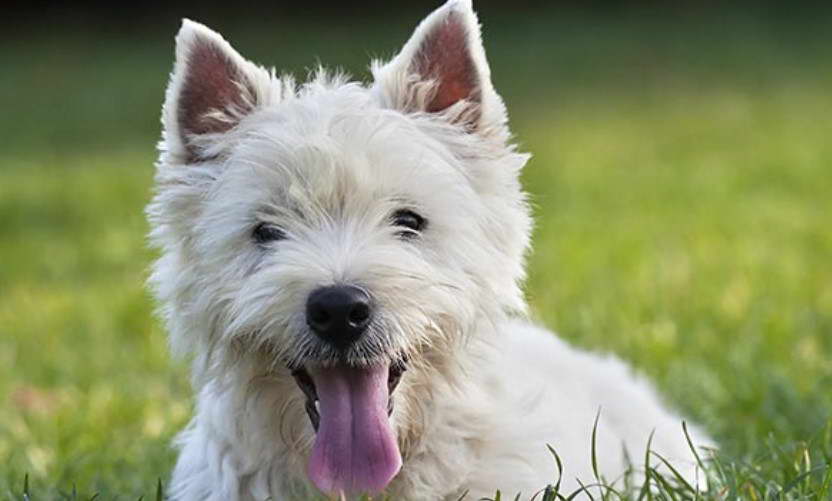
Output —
(337, 254)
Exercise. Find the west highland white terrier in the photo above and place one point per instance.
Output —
(343, 263)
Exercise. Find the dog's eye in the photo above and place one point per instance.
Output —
(409, 222)
(264, 233)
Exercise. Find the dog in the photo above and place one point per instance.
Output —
(343, 264)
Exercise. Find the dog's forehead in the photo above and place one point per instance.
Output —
(321, 153)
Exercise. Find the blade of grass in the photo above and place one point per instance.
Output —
(796, 481)
(826, 485)
(559, 465)
(692, 447)
(679, 477)
(663, 484)
(584, 489)
(594, 452)
(645, 488)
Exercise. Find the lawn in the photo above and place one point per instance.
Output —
(681, 179)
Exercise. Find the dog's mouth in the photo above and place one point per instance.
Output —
(355, 449)
(307, 386)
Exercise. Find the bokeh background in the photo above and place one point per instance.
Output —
(681, 179)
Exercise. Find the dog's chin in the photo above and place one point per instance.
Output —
(349, 406)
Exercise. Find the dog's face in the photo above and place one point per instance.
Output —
(340, 232)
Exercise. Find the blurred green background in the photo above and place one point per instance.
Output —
(681, 180)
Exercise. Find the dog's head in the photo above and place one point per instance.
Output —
(337, 231)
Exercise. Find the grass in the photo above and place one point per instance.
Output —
(681, 181)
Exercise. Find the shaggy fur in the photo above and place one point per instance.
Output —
(328, 162)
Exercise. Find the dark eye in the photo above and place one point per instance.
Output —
(264, 233)
(409, 222)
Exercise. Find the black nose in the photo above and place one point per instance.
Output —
(338, 314)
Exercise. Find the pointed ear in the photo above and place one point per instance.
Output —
(210, 90)
(442, 69)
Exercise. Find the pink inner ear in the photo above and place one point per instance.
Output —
(212, 83)
(445, 56)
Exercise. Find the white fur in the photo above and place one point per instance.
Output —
(329, 162)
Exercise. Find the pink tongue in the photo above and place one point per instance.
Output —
(355, 451)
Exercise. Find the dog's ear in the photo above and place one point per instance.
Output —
(442, 69)
(211, 89)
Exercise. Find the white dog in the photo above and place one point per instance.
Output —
(344, 264)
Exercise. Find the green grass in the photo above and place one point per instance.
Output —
(681, 179)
